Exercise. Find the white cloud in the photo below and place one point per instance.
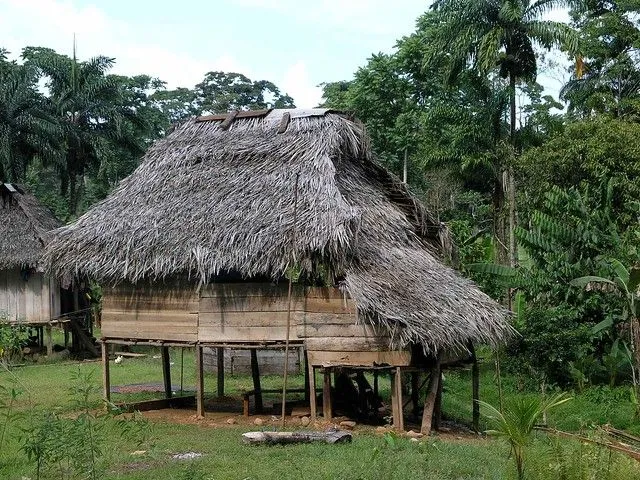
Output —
(297, 83)
(52, 23)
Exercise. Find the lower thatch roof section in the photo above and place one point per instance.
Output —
(209, 199)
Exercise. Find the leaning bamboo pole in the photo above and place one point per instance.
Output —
(289, 299)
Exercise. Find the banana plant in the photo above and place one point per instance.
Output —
(625, 282)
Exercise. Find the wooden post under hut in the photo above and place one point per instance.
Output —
(199, 383)
(429, 404)
(166, 371)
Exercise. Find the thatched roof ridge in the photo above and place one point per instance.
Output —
(216, 196)
(23, 224)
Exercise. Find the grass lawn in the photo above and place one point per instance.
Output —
(370, 456)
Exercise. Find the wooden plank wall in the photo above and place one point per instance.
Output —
(25, 301)
(248, 312)
(150, 312)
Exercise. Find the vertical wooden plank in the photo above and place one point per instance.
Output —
(49, 340)
(311, 374)
(437, 408)
(199, 383)
(326, 394)
(220, 353)
(396, 399)
(255, 373)
(475, 389)
(166, 371)
(307, 391)
(432, 391)
(106, 380)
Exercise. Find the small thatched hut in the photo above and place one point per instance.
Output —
(27, 295)
(198, 242)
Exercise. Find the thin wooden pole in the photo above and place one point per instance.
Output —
(49, 340)
(106, 380)
(199, 383)
(312, 391)
(255, 373)
(415, 390)
(181, 370)
(437, 408)
(396, 399)
(166, 371)
(220, 354)
(292, 264)
(307, 388)
(475, 389)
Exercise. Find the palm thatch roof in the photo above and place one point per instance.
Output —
(23, 224)
(270, 190)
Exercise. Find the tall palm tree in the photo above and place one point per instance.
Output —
(500, 36)
(92, 111)
(27, 129)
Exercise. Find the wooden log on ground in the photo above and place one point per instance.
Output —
(284, 438)
(429, 404)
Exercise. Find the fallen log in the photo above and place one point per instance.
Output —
(284, 438)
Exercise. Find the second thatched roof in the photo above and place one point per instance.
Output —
(23, 224)
(258, 192)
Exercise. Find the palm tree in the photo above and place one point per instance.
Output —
(500, 36)
(93, 114)
(27, 130)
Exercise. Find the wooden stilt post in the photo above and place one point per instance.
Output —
(396, 399)
(166, 371)
(326, 395)
(311, 374)
(49, 340)
(432, 392)
(106, 380)
(199, 383)
(475, 388)
(220, 353)
(307, 383)
(437, 408)
(66, 336)
(255, 373)
(375, 383)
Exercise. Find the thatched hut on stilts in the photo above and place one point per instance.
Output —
(198, 244)
(28, 296)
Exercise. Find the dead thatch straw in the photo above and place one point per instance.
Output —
(208, 200)
(23, 224)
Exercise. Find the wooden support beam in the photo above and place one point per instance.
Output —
(307, 391)
(166, 371)
(311, 374)
(199, 383)
(326, 395)
(396, 399)
(220, 353)
(49, 340)
(429, 404)
(437, 408)
(255, 373)
(475, 389)
(106, 380)
(375, 383)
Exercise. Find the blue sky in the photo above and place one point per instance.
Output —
(295, 44)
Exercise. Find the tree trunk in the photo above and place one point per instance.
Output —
(513, 248)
